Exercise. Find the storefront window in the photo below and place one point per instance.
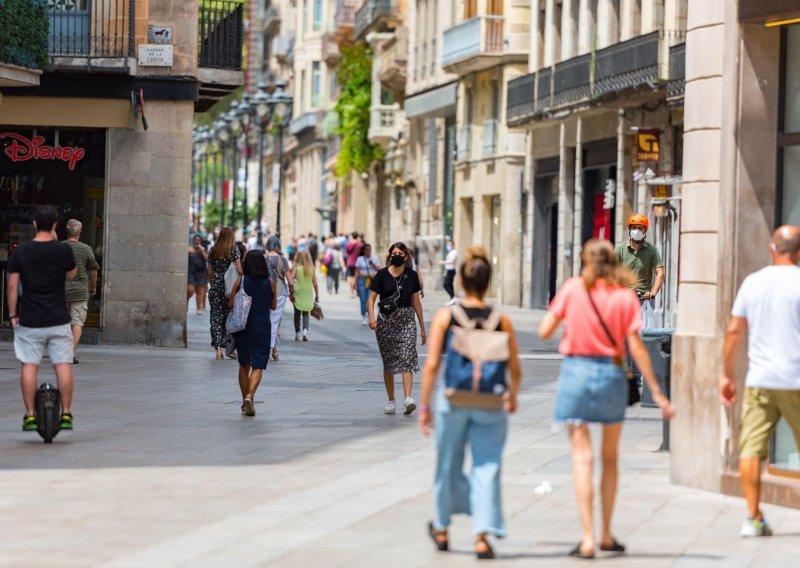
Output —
(65, 168)
(784, 455)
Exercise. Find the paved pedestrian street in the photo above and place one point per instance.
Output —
(162, 469)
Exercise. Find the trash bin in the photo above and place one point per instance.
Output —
(658, 342)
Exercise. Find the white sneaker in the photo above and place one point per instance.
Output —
(451, 302)
(755, 527)
(297, 336)
(364, 320)
(411, 406)
(390, 407)
(305, 335)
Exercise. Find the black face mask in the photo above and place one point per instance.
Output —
(397, 260)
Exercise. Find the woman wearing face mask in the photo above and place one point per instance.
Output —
(398, 288)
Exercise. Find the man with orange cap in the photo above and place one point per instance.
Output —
(642, 258)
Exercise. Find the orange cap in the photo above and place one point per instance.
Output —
(639, 219)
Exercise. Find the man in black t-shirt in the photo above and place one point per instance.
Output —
(41, 319)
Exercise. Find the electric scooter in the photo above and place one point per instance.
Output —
(48, 412)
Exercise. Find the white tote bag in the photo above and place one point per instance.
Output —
(231, 275)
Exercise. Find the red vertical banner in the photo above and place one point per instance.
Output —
(226, 190)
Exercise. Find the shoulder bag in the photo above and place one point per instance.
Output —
(619, 359)
(237, 319)
(231, 275)
(388, 306)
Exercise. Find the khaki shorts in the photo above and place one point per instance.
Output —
(78, 311)
(30, 343)
(761, 412)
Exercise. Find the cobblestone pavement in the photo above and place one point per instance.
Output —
(162, 470)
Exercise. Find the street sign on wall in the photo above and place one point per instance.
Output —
(151, 55)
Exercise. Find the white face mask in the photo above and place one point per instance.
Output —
(637, 235)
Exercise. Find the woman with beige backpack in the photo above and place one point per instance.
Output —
(480, 349)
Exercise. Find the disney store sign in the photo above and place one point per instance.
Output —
(23, 149)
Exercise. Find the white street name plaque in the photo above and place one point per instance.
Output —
(155, 55)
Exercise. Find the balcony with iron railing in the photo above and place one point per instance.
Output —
(392, 63)
(220, 42)
(304, 123)
(645, 61)
(385, 123)
(221, 34)
(330, 49)
(272, 20)
(377, 16)
(86, 30)
(480, 43)
(345, 16)
(677, 72)
(283, 47)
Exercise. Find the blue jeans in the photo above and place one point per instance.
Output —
(363, 294)
(479, 494)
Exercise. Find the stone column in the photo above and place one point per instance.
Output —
(565, 208)
(535, 41)
(622, 178)
(586, 26)
(550, 30)
(578, 211)
(149, 175)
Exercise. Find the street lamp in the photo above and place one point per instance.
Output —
(243, 112)
(234, 124)
(261, 105)
(279, 104)
(222, 133)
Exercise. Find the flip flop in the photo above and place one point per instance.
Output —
(578, 553)
(613, 547)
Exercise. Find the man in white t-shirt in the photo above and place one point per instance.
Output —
(450, 263)
(767, 307)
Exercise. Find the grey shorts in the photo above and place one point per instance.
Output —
(30, 343)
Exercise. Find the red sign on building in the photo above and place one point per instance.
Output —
(23, 149)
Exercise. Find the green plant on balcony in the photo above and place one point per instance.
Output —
(354, 73)
(23, 33)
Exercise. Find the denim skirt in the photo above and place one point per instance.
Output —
(591, 389)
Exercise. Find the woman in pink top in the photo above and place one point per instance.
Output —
(592, 385)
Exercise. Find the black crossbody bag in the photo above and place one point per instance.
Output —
(633, 389)
(388, 306)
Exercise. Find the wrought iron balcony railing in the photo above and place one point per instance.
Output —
(677, 71)
(655, 60)
(345, 13)
(521, 97)
(221, 34)
(482, 34)
(371, 11)
(643, 60)
(572, 80)
(91, 28)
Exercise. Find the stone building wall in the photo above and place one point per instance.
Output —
(147, 197)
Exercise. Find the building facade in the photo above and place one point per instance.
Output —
(486, 47)
(117, 96)
(602, 108)
(740, 174)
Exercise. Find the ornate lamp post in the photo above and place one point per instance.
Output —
(234, 126)
(243, 111)
(279, 106)
(261, 105)
(223, 135)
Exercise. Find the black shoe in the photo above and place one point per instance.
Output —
(75, 361)
(578, 553)
(441, 543)
(613, 547)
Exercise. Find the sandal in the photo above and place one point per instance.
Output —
(487, 554)
(439, 537)
(219, 357)
(613, 547)
(578, 553)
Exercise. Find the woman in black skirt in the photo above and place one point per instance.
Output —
(395, 327)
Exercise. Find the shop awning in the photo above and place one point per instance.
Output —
(768, 10)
